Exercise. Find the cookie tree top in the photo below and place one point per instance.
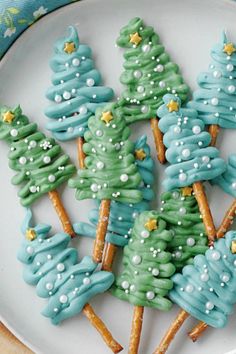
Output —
(76, 90)
(54, 269)
(188, 150)
(207, 289)
(110, 170)
(149, 72)
(181, 212)
(122, 215)
(215, 99)
(39, 162)
(145, 280)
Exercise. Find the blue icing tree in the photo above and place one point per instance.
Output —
(215, 99)
(188, 150)
(54, 268)
(76, 89)
(207, 289)
(122, 215)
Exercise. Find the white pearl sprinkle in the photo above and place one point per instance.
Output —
(124, 177)
(30, 250)
(125, 284)
(60, 267)
(86, 281)
(145, 233)
(57, 98)
(204, 277)
(49, 286)
(14, 133)
(136, 259)
(190, 241)
(63, 299)
(47, 159)
(229, 67)
(231, 88)
(155, 272)
(137, 74)
(100, 165)
(94, 187)
(90, 82)
(66, 95)
(75, 62)
(214, 101)
(189, 288)
(51, 178)
(150, 295)
(209, 305)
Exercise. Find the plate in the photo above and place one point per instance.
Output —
(188, 28)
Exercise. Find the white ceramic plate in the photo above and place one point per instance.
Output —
(188, 28)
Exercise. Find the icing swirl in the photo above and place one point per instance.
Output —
(149, 72)
(215, 99)
(39, 162)
(188, 150)
(181, 212)
(227, 181)
(110, 170)
(122, 215)
(207, 289)
(54, 269)
(145, 280)
(76, 88)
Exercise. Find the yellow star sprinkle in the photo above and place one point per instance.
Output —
(69, 47)
(151, 224)
(172, 106)
(8, 117)
(140, 154)
(233, 246)
(135, 38)
(106, 117)
(229, 48)
(30, 234)
(186, 191)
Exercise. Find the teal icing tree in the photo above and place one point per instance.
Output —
(110, 172)
(148, 75)
(39, 162)
(181, 213)
(76, 89)
(215, 97)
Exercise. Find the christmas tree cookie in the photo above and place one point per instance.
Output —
(180, 211)
(215, 98)
(192, 159)
(53, 267)
(39, 162)
(110, 172)
(148, 75)
(122, 215)
(77, 89)
(145, 280)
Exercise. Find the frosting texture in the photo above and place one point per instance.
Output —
(148, 73)
(188, 150)
(122, 215)
(147, 266)
(207, 289)
(54, 269)
(215, 98)
(227, 181)
(39, 162)
(76, 90)
(110, 171)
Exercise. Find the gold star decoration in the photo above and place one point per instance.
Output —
(186, 191)
(8, 117)
(172, 106)
(151, 224)
(140, 154)
(69, 47)
(135, 38)
(30, 234)
(106, 117)
(233, 246)
(229, 48)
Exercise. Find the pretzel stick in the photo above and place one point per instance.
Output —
(170, 334)
(101, 328)
(214, 131)
(136, 330)
(81, 154)
(101, 230)
(205, 211)
(158, 139)
(196, 332)
(108, 257)
(61, 212)
(87, 310)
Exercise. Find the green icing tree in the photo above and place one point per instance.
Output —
(181, 212)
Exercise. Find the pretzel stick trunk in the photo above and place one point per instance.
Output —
(61, 212)
(198, 330)
(136, 330)
(158, 139)
(205, 211)
(81, 154)
(99, 242)
(108, 257)
(178, 322)
(87, 310)
(214, 131)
